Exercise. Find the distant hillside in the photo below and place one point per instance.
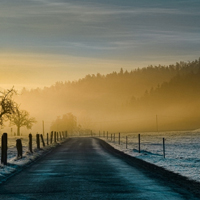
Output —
(177, 101)
(105, 100)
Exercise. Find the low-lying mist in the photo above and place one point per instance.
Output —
(156, 98)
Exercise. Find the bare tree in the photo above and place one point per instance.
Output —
(7, 105)
(22, 118)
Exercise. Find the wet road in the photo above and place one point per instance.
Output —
(82, 169)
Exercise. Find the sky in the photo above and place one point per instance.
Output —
(44, 41)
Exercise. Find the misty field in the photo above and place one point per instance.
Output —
(181, 149)
(12, 150)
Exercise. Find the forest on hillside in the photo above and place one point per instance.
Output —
(124, 101)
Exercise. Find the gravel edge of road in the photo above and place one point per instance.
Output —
(172, 178)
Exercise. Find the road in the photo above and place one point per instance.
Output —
(81, 169)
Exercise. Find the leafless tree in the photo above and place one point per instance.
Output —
(7, 105)
(22, 118)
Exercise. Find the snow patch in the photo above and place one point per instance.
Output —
(14, 164)
(181, 150)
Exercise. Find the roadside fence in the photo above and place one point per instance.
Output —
(39, 139)
(139, 143)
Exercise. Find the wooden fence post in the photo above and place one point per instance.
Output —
(30, 143)
(119, 138)
(51, 139)
(57, 136)
(4, 147)
(47, 139)
(38, 141)
(19, 148)
(164, 147)
(54, 137)
(139, 142)
(42, 140)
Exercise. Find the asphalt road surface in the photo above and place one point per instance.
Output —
(81, 169)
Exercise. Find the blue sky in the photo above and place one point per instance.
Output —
(48, 40)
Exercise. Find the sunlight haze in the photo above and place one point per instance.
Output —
(108, 64)
(47, 41)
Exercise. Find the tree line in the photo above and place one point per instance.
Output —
(124, 100)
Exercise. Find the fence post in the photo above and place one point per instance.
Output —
(4, 147)
(60, 136)
(126, 141)
(164, 147)
(38, 141)
(54, 137)
(139, 142)
(19, 148)
(42, 140)
(47, 139)
(30, 143)
(57, 136)
(119, 138)
(51, 139)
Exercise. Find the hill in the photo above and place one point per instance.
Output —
(121, 100)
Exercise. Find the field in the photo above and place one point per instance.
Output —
(15, 164)
(12, 150)
(181, 150)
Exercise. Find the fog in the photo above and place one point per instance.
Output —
(119, 102)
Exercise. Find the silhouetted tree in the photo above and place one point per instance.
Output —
(22, 118)
(67, 122)
(7, 105)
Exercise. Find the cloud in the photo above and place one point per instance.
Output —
(120, 30)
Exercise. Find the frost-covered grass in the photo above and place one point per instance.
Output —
(15, 164)
(182, 151)
(181, 148)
